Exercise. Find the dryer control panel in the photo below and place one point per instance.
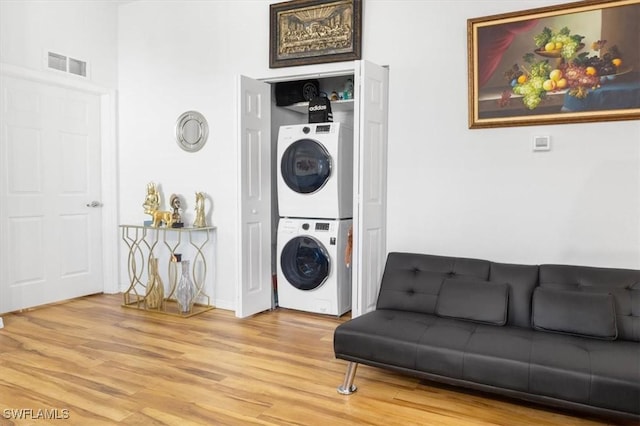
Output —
(322, 226)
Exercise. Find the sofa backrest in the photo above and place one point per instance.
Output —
(623, 284)
(412, 282)
(522, 280)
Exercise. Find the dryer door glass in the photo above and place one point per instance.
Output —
(305, 263)
(305, 166)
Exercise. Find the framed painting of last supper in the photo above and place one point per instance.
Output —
(571, 63)
(305, 32)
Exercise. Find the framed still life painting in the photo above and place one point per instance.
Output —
(571, 63)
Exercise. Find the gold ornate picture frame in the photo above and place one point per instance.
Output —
(305, 32)
(571, 63)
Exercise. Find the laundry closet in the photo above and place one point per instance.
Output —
(305, 188)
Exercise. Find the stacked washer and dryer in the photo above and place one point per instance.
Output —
(315, 202)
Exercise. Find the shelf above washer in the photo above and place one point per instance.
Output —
(336, 106)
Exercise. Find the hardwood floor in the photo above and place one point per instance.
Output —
(91, 362)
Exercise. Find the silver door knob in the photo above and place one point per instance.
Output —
(94, 204)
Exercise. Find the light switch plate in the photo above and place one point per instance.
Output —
(541, 143)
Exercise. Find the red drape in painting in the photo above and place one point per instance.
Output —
(493, 42)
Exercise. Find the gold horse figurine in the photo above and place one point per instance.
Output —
(160, 216)
(151, 205)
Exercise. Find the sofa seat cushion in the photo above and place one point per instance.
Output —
(572, 368)
(384, 336)
(595, 372)
(498, 357)
(615, 375)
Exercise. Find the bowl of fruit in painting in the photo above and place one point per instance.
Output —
(576, 73)
(554, 50)
(558, 44)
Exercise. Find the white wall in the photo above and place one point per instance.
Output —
(177, 56)
(484, 193)
(478, 193)
(85, 30)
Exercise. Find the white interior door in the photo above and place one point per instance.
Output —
(50, 171)
(254, 294)
(370, 175)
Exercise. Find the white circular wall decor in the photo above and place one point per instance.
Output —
(192, 131)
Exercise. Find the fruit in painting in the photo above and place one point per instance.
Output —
(577, 74)
(549, 85)
(562, 83)
(555, 75)
(579, 82)
(559, 41)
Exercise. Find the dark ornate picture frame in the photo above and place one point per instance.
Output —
(592, 73)
(303, 32)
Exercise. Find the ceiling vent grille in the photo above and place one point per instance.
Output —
(63, 63)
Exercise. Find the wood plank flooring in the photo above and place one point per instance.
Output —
(89, 361)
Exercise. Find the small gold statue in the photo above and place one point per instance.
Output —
(200, 221)
(152, 201)
(175, 205)
(151, 205)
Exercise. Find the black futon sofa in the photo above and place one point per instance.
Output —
(566, 336)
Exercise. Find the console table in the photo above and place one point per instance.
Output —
(145, 243)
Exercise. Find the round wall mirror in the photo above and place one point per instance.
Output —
(192, 131)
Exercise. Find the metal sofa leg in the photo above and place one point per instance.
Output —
(347, 387)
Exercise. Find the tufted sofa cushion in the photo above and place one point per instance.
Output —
(473, 300)
(623, 284)
(412, 281)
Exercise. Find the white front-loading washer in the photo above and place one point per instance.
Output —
(315, 171)
(312, 274)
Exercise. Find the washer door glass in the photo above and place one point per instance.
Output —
(305, 166)
(305, 263)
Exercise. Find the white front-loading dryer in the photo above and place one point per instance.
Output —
(312, 274)
(315, 171)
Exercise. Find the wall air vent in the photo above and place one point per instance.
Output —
(77, 67)
(63, 63)
(57, 61)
